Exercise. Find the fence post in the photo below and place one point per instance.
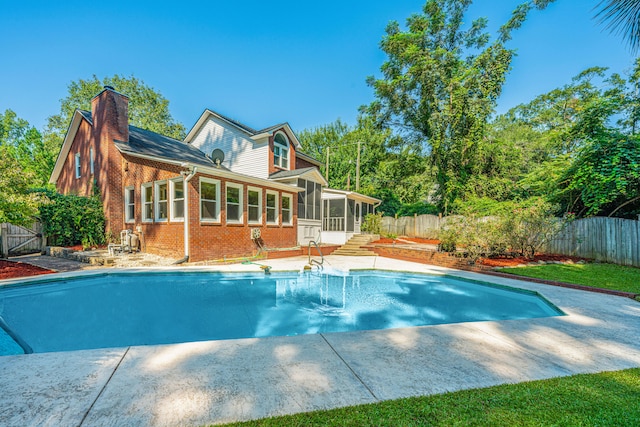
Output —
(4, 240)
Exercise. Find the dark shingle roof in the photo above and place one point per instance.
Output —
(242, 126)
(147, 143)
(291, 173)
(86, 115)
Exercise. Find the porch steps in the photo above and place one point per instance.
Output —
(353, 246)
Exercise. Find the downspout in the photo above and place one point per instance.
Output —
(187, 178)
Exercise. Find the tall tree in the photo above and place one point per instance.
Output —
(388, 167)
(621, 17)
(440, 85)
(17, 205)
(148, 109)
(25, 146)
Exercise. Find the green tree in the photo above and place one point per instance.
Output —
(148, 109)
(622, 17)
(390, 169)
(17, 204)
(604, 179)
(17, 172)
(440, 85)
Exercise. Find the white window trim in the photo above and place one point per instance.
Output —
(259, 191)
(290, 197)
(144, 190)
(281, 147)
(277, 207)
(241, 203)
(216, 219)
(78, 165)
(156, 200)
(172, 199)
(128, 201)
(92, 157)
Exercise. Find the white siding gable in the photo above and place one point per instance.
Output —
(241, 153)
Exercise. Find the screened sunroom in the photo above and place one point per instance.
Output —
(343, 213)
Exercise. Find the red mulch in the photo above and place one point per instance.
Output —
(514, 261)
(386, 240)
(10, 270)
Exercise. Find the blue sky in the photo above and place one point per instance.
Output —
(263, 62)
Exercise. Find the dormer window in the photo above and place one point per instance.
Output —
(281, 151)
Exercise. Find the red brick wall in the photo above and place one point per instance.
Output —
(67, 182)
(292, 153)
(423, 256)
(208, 241)
(109, 112)
(301, 164)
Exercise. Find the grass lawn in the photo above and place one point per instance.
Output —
(607, 276)
(605, 399)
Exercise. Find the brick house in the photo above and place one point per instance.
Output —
(323, 214)
(179, 201)
(226, 191)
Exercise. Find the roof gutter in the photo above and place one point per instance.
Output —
(187, 175)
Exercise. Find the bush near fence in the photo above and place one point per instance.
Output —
(613, 240)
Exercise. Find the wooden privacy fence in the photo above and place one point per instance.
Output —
(17, 240)
(614, 240)
(426, 226)
(604, 239)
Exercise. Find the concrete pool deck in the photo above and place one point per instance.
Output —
(211, 382)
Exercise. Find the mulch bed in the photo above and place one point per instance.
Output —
(515, 261)
(388, 241)
(11, 270)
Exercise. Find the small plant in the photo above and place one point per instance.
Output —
(372, 223)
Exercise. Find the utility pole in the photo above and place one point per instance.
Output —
(326, 169)
(358, 169)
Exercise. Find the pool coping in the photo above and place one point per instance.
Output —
(211, 382)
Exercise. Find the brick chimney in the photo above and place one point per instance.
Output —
(110, 115)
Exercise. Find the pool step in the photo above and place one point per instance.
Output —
(353, 246)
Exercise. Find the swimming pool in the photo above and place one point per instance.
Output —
(124, 309)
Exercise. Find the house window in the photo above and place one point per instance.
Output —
(280, 151)
(287, 215)
(129, 204)
(161, 201)
(254, 205)
(234, 203)
(209, 200)
(309, 200)
(78, 166)
(177, 199)
(91, 161)
(272, 207)
(146, 195)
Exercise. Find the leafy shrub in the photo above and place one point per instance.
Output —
(69, 219)
(475, 236)
(372, 223)
(528, 227)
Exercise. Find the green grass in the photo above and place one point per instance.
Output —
(605, 399)
(607, 276)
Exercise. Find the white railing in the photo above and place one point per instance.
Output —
(333, 224)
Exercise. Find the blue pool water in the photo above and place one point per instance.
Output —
(123, 309)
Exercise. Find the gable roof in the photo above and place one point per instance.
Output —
(304, 173)
(150, 144)
(72, 130)
(251, 132)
